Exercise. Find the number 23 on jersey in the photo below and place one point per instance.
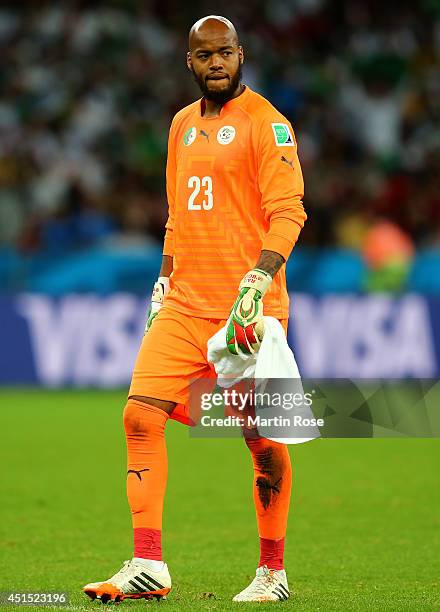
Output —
(202, 186)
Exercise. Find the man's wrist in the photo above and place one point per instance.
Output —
(270, 262)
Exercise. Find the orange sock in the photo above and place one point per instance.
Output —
(147, 473)
(272, 489)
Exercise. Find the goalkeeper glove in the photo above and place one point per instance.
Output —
(245, 326)
(160, 289)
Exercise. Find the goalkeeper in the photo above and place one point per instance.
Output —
(234, 190)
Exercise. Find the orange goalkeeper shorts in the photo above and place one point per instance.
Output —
(172, 355)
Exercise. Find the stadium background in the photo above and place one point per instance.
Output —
(88, 90)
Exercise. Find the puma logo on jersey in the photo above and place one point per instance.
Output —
(205, 134)
(138, 472)
(287, 161)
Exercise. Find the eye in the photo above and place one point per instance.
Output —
(227, 52)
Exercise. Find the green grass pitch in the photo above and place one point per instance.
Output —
(364, 530)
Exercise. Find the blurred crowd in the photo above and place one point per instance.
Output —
(88, 89)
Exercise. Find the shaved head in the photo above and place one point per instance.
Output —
(210, 25)
(215, 58)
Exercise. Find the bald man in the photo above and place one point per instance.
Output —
(234, 190)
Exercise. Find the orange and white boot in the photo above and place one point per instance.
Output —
(136, 580)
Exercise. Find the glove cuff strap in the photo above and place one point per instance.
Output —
(165, 282)
(257, 279)
(160, 289)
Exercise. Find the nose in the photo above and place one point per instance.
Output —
(216, 61)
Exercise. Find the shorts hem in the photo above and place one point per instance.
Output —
(175, 398)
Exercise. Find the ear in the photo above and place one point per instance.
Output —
(240, 54)
(188, 60)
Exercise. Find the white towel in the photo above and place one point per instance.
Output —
(273, 360)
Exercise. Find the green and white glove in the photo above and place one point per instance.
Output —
(160, 289)
(245, 327)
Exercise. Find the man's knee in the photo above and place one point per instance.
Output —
(255, 443)
(139, 420)
(164, 405)
(264, 450)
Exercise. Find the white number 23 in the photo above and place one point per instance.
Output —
(196, 184)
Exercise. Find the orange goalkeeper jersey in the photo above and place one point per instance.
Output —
(234, 187)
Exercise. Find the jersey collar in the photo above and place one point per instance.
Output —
(231, 104)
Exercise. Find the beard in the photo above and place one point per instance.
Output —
(219, 96)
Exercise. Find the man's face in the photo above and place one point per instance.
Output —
(215, 60)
